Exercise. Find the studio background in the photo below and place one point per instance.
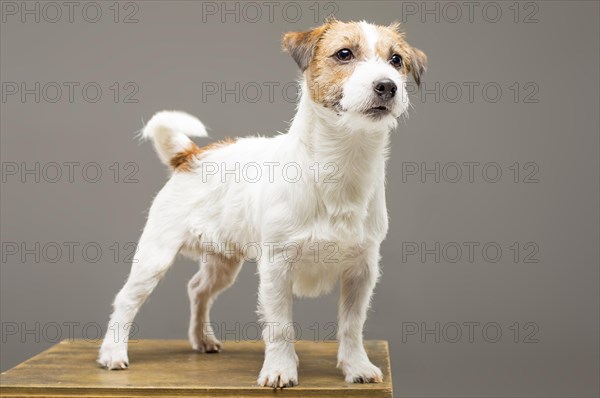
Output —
(540, 130)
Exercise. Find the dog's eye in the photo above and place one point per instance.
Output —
(344, 55)
(396, 60)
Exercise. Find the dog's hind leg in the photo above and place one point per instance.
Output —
(216, 274)
(157, 249)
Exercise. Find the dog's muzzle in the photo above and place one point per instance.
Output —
(384, 90)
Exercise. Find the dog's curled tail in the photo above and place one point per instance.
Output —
(169, 132)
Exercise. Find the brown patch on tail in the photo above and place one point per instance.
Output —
(183, 161)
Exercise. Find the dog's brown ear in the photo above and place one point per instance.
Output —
(418, 60)
(301, 45)
(418, 64)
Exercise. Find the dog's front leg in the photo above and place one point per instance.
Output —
(357, 285)
(275, 306)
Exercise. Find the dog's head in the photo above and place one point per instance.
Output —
(357, 70)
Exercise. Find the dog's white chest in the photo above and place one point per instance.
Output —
(317, 265)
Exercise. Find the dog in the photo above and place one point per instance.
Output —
(329, 205)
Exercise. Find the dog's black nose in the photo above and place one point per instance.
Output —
(385, 89)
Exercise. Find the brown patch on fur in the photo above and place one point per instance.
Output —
(183, 161)
(392, 41)
(301, 45)
(314, 52)
(418, 64)
(326, 75)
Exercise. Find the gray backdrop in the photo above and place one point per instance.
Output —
(490, 269)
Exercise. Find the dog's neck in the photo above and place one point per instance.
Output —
(351, 161)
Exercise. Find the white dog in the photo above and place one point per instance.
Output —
(310, 203)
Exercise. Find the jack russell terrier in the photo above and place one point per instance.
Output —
(330, 210)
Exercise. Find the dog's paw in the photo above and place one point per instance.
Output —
(113, 358)
(278, 378)
(208, 345)
(361, 372)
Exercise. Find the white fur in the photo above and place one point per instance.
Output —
(168, 131)
(197, 208)
(371, 34)
(357, 89)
